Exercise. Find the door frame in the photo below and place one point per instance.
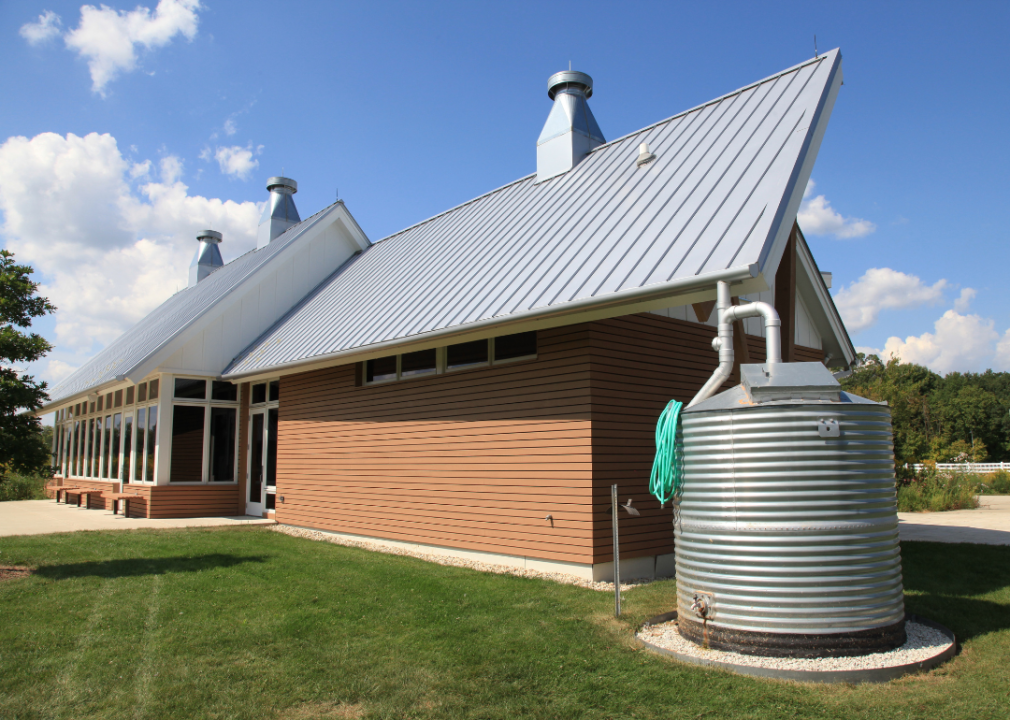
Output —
(270, 404)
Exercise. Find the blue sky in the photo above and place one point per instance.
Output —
(412, 108)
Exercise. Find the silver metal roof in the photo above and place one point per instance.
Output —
(164, 324)
(723, 189)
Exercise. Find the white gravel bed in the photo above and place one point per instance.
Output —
(923, 643)
(562, 578)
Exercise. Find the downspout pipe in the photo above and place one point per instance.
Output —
(723, 342)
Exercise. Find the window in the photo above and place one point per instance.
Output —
(129, 395)
(204, 430)
(100, 399)
(275, 390)
(138, 457)
(187, 444)
(224, 391)
(222, 444)
(466, 354)
(152, 390)
(127, 446)
(117, 427)
(512, 347)
(142, 393)
(272, 419)
(152, 439)
(73, 447)
(118, 399)
(92, 410)
(423, 362)
(186, 389)
(82, 444)
(380, 369)
(88, 471)
(259, 393)
(461, 356)
(107, 448)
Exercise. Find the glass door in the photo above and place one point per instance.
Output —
(262, 477)
(257, 462)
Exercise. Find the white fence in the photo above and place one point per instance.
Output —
(968, 467)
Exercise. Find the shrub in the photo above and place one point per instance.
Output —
(932, 491)
(15, 486)
(997, 483)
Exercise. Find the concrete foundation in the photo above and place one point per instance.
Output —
(648, 567)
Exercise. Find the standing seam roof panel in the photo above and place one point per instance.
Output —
(707, 203)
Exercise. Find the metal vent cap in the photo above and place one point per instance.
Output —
(211, 236)
(283, 185)
(569, 78)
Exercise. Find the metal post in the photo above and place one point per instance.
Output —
(617, 557)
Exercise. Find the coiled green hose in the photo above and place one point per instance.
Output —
(668, 467)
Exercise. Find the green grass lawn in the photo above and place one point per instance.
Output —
(248, 623)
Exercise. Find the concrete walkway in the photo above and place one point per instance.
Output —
(41, 517)
(986, 525)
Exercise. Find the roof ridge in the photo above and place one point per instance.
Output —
(719, 99)
(683, 113)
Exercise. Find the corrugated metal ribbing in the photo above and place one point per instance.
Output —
(790, 532)
(707, 203)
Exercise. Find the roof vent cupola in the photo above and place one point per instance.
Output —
(280, 212)
(570, 132)
(208, 256)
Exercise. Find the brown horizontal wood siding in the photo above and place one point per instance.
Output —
(640, 363)
(97, 503)
(183, 501)
(473, 460)
(477, 460)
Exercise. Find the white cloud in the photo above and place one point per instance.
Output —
(108, 39)
(56, 370)
(230, 128)
(965, 343)
(883, 288)
(1001, 361)
(108, 253)
(237, 160)
(817, 217)
(45, 28)
(962, 304)
(140, 170)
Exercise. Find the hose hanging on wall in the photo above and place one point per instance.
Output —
(668, 467)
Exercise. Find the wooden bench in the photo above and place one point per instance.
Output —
(64, 490)
(116, 497)
(83, 493)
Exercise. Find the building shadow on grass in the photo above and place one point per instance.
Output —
(134, 567)
(945, 583)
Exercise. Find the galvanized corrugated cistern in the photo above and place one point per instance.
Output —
(786, 528)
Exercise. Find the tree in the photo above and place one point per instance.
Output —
(956, 418)
(907, 389)
(22, 447)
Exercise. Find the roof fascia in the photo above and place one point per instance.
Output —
(684, 291)
(199, 323)
(77, 397)
(772, 254)
(353, 229)
(816, 296)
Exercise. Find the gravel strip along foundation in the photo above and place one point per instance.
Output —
(562, 578)
(928, 645)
